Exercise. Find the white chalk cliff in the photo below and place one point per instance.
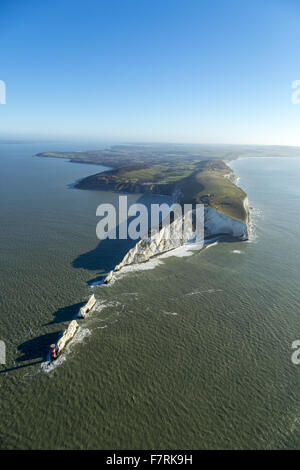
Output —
(109, 277)
(216, 223)
(169, 237)
(87, 307)
(67, 336)
(173, 236)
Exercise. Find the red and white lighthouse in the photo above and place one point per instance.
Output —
(53, 351)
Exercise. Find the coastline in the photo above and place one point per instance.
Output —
(143, 251)
(183, 285)
(167, 243)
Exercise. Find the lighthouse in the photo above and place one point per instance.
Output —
(53, 351)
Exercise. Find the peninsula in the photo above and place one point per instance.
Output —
(188, 175)
(194, 174)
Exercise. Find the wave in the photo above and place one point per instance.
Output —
(100, 305)
(96, 283)
(211, 244)
(180, 252)
(208, 291)
(256, 215)
(148, 265)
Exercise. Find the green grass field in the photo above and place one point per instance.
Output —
(212, 186)
(198, 171)
(208, 182)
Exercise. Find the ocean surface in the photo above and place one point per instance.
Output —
(185, 352)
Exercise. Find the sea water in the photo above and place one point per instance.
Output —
(181, 352)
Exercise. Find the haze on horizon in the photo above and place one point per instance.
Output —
(140, 71)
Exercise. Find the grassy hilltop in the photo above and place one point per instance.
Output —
(209, 182)
(196, 173)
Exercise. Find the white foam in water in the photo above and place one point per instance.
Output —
(151, 264)
(49, 366)
(212, 244)
(255, 214)
(208, 291)
(180, 252)
(81, 334)
(171, 313)
(100, 305)
(117, 306)
(96, 283)
(238, 252)
(135, 294)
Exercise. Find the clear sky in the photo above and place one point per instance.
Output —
(151, 70)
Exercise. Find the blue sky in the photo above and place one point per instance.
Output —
(151, 70)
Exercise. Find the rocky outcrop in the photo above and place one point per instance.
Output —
(109, 277)
(222, 216)
(169, 237)
(173, 236)
(87, 307)
(67, 336)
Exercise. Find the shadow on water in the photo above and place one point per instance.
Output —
(222, 238)
(65, 314)
(104, 257)
(108, 257)
(109, 252)
(11, 369)
(37, 348)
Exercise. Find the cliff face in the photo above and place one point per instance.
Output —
(210, 183)
(87, 307)
(217, 223)
(67, 335)
(172, 236)
(168, 238)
